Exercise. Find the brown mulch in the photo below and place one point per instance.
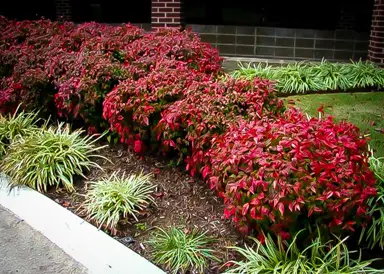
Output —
(181, 201)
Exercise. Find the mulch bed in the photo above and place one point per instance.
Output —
(181, 200)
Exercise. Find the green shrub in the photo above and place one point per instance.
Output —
(116, 197)
(283, 257)
(177, 250)
(50, 157)
(18, 124)
(373, 234)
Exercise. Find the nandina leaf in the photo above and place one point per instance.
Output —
(252, 212)
(280, 206)
(205, 171)
(245, 209)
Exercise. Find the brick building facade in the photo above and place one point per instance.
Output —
(376, 40)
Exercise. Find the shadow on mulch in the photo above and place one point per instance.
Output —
(181, 200)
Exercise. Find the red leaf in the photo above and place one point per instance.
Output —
(66, 204)
(280, 206)
(253, 212)
(245, 209)
(205, 171)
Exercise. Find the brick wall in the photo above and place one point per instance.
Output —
(63, 10)
(376, 42)
(166, 13)
(283, 43)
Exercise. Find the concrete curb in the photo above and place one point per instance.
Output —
(94, 249)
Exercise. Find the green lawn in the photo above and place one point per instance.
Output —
(365, 110)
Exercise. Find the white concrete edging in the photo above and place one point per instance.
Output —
(91, 247)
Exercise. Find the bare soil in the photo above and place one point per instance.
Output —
(181, 201)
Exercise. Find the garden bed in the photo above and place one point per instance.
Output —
(181, 201)
(276, 172)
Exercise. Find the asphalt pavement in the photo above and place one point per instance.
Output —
(24, 250)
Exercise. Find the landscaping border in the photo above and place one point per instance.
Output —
(91, 247)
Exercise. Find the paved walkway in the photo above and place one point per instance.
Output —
(26, 251)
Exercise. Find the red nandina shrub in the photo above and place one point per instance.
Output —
(24, 50)
(28, 82)
(8, 59)
(28, 32)
(82, 88)
(95, 36)
(53, 52)
(177, 45)
(133, 107)
(84, 77)
(208, 108)
(285, 174)
(85, 62)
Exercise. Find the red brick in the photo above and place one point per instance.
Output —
(376, 38)
(378, 55)
(159, 14)
(376, 44)
(378, 28)
(165, 9)
(165, 20)
(158, 5)
(175, 5)
(375, 49)
(173, 15)
(173, 25)
(378, 23)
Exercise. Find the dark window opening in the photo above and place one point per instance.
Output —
(112, 11)
(28, 10)
(325, 14)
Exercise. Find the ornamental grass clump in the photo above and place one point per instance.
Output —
(18, 124)
(365, 74)
(269, 257)
(251, 71)
(117, 197)
(377, 166)
(373, 234)
(302, 77)
(331, 76)
(50, 157)
(180, 251)
(295, 78)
